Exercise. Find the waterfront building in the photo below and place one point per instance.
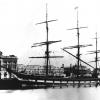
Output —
(7, 62)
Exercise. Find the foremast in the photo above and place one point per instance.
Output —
(47, 43)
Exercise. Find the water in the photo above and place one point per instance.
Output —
(88, 93)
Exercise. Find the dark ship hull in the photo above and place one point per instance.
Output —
(22, 81)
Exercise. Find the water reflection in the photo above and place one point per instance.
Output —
(70, 93)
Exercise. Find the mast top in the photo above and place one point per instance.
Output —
(46, 18)
(76, 8)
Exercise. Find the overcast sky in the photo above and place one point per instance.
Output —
(18, 30)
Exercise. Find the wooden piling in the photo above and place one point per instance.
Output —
(67, 84)
(73, 84)
(78, 84)
(90, 83)
(53, 83)
(84, 83)
(60, 83)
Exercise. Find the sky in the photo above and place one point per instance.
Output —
(18, 29)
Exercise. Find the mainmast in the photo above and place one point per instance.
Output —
(78, 44)
(78, 36)
(47, 56)
(47, 47)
